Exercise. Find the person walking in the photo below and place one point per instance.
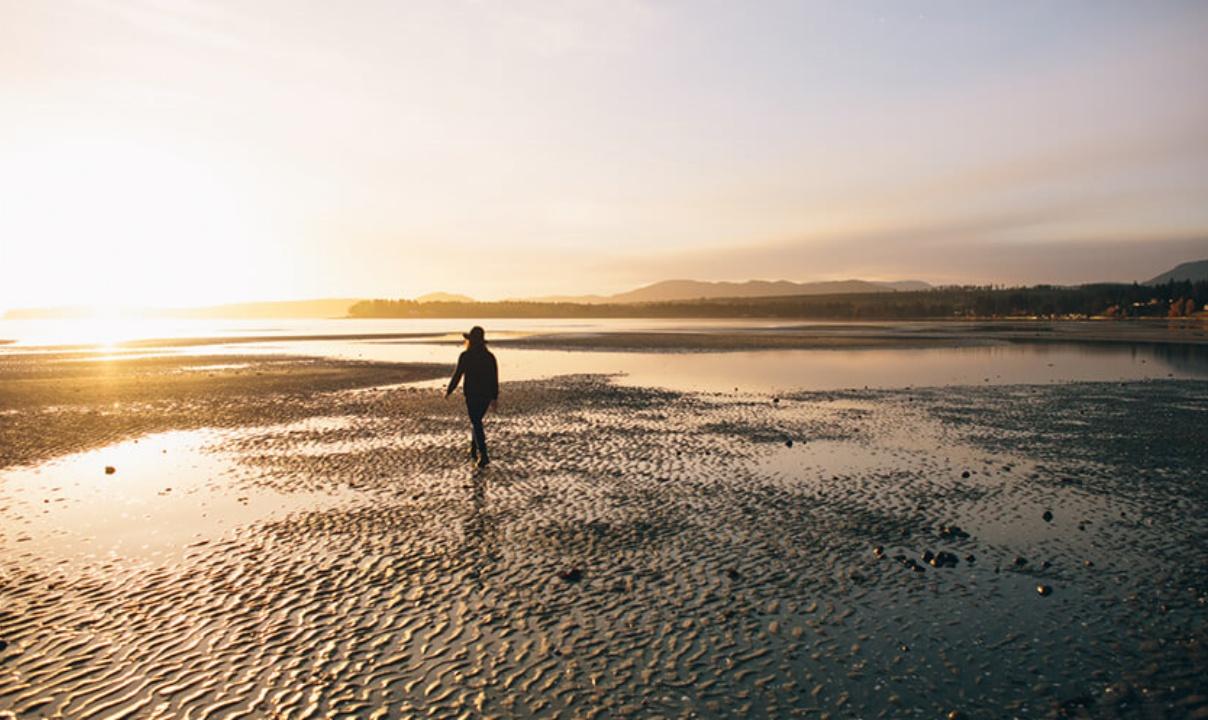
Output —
(481, 388)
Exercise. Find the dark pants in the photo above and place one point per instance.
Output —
(477, 408)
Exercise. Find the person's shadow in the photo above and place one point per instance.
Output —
(478, 529)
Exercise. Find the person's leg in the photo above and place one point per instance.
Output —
(473, 434)
(474, 422)
(477, 410)
(473, 439)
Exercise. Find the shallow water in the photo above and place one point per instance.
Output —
(167, 492)
(1001, 363)
(996, 362)
(24, 334)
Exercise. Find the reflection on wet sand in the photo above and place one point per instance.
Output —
(477, 528)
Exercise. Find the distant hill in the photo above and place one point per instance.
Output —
(1196, 271)
(1106, 300)
(444, 297)
(576, 299)
(671, 290)
(908, 285)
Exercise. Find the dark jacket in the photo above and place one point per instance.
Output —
(481, 371)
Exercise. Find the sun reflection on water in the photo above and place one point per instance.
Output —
(146, 498)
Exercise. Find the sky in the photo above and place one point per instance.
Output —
(189, 152)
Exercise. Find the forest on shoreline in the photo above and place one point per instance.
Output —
(1172, 299)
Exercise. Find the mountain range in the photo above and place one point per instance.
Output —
(444, 297)
(671, 290)
(1196, 271)
(665, 291)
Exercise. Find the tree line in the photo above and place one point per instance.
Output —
(1048, 301)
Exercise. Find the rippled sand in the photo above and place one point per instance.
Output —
(265, 550)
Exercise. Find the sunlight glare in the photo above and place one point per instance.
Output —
(127, 222)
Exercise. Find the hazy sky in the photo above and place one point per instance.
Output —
(178, 152)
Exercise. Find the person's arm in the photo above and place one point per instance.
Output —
(453, 381)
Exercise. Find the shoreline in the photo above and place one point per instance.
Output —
(729, 337)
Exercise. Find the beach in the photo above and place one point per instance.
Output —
(604, 360)
(282, 535)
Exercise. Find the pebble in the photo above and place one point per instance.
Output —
(944, 559)
(1073, 707)
(953, 532)
(572, 575)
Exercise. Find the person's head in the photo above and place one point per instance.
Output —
(477, 337)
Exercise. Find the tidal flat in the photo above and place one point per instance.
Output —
(259, 536)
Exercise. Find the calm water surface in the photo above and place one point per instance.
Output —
(1000, 362)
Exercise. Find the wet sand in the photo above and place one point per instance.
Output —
(55, 403)
(302, 538)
